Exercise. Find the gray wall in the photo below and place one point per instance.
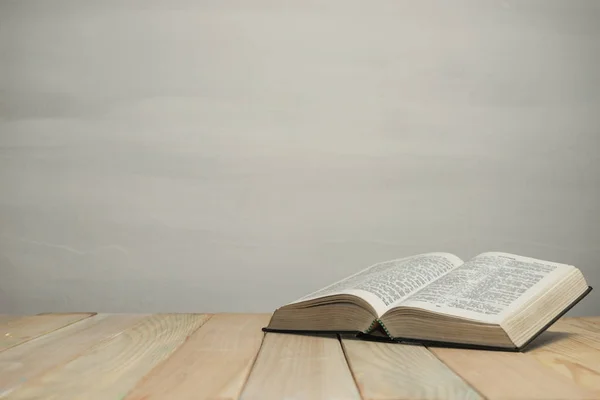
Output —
(235, 155)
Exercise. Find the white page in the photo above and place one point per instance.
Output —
(487, 287)
(387, 283)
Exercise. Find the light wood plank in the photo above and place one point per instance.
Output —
(588, 324)
(23, 329)
(110, 369)
(504, 375)
(571, 347)
(594, 320)
(213, 364)
(300, 367)
(398, 371)
(22, 363)
(5, 318)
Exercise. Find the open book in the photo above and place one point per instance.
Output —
(495, 300)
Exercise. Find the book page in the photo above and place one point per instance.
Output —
(388, 282)
(487, 287)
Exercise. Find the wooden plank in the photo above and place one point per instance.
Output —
(213, 364)
(5, 318)
(22, 363)
(571, 347)
(110, 369)
(300, 367)
(585, 326)
(593, 320)
(398, 371)
(505, 375)
(23, 329)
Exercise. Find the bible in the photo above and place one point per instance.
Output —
(496, 301)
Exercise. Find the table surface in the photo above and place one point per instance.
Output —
(227, 356)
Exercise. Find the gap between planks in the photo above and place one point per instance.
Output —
(374, 369)
(213, 364)
(384, 371)
(111, 368)
(21, 363)
(300, 367)
(352, 373)
(17, 331)
(328, 366)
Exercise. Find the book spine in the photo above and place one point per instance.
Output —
(371, 327)
(374, 325)
(385, 329)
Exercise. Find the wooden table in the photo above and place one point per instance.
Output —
(226, 356)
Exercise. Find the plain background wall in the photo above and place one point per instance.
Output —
(202, 156)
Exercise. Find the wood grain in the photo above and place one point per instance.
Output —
(22, 363)
(593, 320)
(506, 376)
(213, 364)
(398, 371)
(300, 367)
(5, 318)
(110, 369)
(571, 347)
(21, 330)
(71, 356)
